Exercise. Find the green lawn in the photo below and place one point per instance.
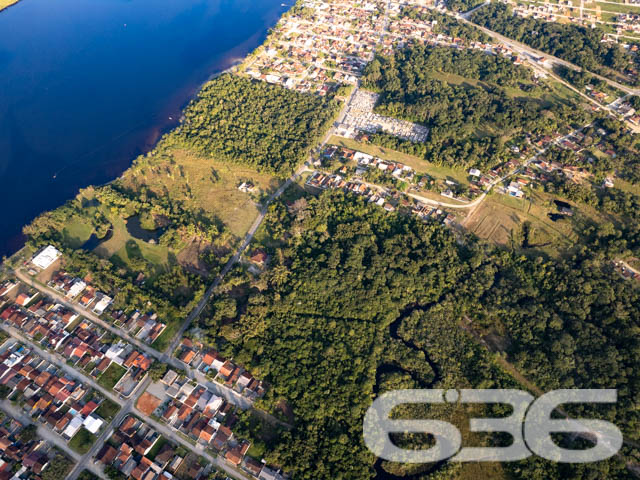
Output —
(82, 441)
(212, 186)
(620, 8)
(162, 342)
(111, 376)
(107, 409)
(77, 232)
(117, 249)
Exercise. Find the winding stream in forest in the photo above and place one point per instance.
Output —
(381, 473)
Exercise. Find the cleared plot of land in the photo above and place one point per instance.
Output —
(494, 223)
(82, 441)
(205, 184)
(107, 409)
(501, 217)
(111, 376)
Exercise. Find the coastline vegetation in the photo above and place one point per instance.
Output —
(156, 236)
(254, 123)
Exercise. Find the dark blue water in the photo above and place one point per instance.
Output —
(87, 85)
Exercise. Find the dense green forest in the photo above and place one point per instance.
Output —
(580, 45)
(454, 93)
(246, 121)
(356, 301)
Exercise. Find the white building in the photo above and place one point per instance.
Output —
(76, 289)
(46, 257)
(73, 427)
(92, 423)
(102, 305)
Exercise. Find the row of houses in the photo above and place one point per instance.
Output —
(79, 290)
(390, 201)
(144, 326)
(83, 344)
(206, 418)
(129, 451)
(47, 394)
(211, 363)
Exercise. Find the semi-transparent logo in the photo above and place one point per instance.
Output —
(530, 426)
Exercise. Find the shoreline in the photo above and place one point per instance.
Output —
(14, 244)
(163, 131)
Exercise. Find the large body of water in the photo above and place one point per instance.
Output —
(87, 85)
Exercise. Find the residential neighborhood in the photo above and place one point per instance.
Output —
(78, 414)
(200, 415)
(211, 363)
(74, 411)
(24, 455)
(127, 360)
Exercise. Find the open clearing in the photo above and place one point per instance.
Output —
(205, 184)
(111, 376)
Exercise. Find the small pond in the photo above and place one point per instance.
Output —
(134, 227)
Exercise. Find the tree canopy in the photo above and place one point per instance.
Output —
(267, 126)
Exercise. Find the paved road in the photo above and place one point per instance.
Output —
(171, 434)
(475, 203)
(60, 362)
(48, 435)
(125, 409)
(529, 51)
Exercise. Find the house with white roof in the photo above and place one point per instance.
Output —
(92, 423)
(77, 288)
(73, 427)
(46, 257)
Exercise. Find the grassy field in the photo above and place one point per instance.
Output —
(82, 441)
(626, 186)
(419, 165)
(111, 376)
(77, 232)
(206, 184)
(107, 409)
(162, 342)
(619, 8)
(500, 216)
(119, 250)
